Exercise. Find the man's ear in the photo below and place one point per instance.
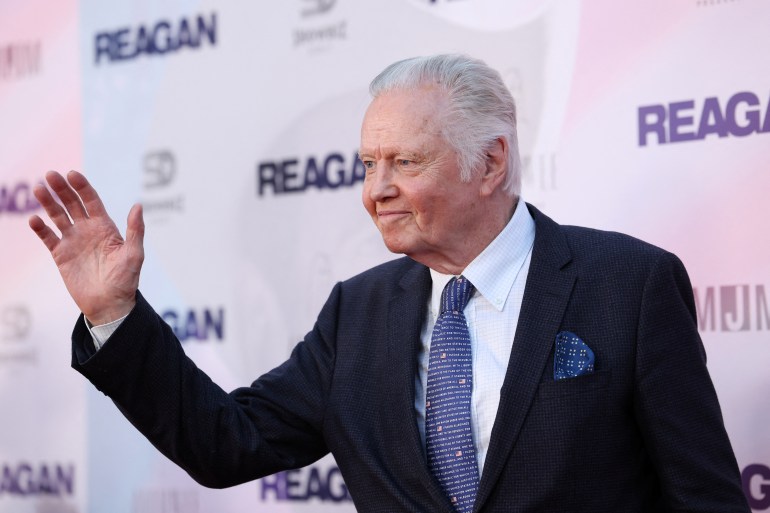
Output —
(495, 166)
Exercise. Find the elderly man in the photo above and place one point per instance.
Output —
(505, 364)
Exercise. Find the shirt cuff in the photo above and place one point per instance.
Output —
(102, 333)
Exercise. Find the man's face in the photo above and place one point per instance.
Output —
(412, 188)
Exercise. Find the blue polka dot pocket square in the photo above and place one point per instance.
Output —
(572, 357)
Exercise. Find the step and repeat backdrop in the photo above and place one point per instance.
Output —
(236, 125)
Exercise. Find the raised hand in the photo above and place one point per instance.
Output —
(99, 268)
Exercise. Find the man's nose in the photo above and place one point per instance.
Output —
(383, 185)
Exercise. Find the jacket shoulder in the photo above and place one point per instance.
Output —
(584, 240)
(591, 248)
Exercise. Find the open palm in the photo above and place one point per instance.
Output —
(99, 268)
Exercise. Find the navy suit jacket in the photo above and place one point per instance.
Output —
(644, 433)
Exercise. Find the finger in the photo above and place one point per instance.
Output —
(67, 195)
(55, 211)
(135, 226)
(134, 239)
(91, 200)
(45, 234)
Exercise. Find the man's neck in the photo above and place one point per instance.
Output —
(455, 263)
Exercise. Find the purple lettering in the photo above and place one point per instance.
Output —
(290, 175)
(734, 307)
(358, 174)
(313, 176)
(706, 310)
(293, 484)
(315, 487)
(167, 42)
(102, 46)
(191, 327)
(44, 484)
(214, 323)
(677, 121)
(210, 30)
(144, 42)
(267, 175)
(751, 115)
(320, 172)
(18, 199)
(119, 47)
(172, 319)
(712, 121)
(307, 484)
(652, 119)
(339, 171)
(342, 493)
(24, 479)
(65, 477)
(761, 501)
(276, 484)
(763, 312)
(184, 37)
(23, 482)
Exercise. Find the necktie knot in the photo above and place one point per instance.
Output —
(456, 295)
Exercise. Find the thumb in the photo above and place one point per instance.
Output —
(135, 228)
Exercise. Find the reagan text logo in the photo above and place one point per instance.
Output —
(306, 484)
(17, 199)
(204, 324)
(159, 38)
(28, 479)
(740, 115)
(297, 174)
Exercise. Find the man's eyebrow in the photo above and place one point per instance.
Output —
(410, 154)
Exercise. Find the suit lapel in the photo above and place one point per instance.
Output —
(406, 313)
(548, 288)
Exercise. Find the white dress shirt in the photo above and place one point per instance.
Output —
(101, 333)
(499, 274)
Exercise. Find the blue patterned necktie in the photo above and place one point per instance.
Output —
(448, 435)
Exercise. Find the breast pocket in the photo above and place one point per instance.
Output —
(587, 384)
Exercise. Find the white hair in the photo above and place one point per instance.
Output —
(481, 109)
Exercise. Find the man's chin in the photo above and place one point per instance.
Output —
(395, 246)
(395, 249)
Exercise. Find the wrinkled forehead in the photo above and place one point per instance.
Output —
(421, 109)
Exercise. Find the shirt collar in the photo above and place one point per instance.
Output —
(493, 272)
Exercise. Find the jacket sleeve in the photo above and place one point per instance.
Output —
(220, 439)
(675, 403)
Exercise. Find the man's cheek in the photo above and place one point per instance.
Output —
(367, 202)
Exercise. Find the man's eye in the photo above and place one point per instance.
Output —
(368, 164)
(404, 162)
